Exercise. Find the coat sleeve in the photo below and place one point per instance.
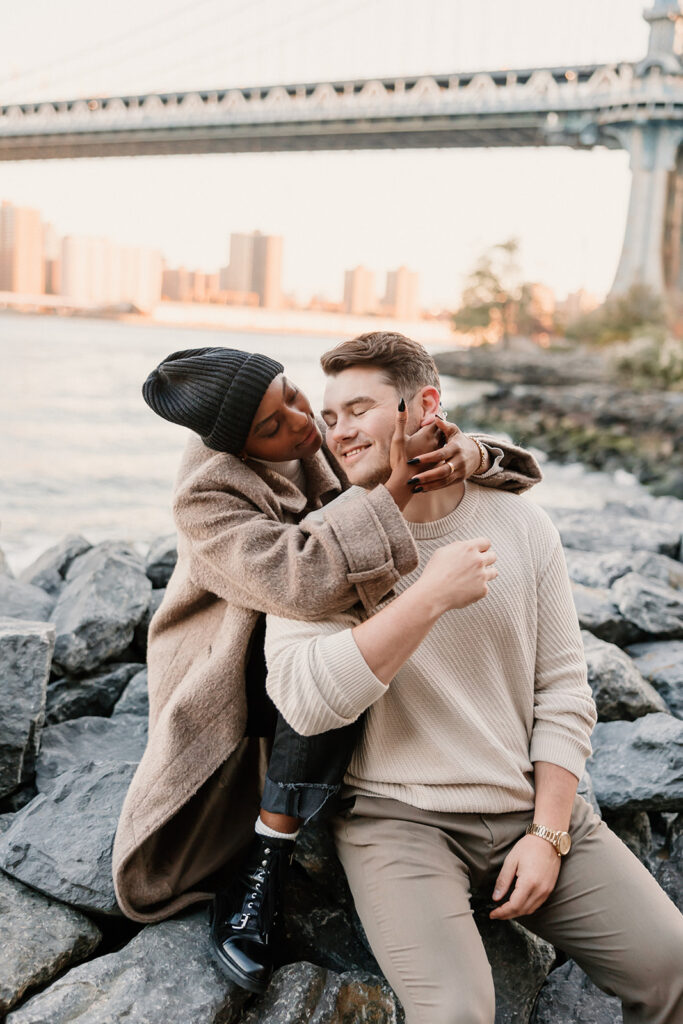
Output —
(512, 468)
(564, 710)
(306, 571)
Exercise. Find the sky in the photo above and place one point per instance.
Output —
(432, 210)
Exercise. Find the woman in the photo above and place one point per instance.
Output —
(245, 484)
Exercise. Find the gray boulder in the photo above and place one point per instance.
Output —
(661, 663)
(618, 688)
(520, 962)
(94, 695)
(91, 559)
(593, 569)
(591, 530)
(22, 601)
(638, 766)
(45, 938)
(598, 613)
(669, 871)
(135, 698)
(570, 997)
(97, 611)
(49, 570)
(88, 740)
(649, 604)
(305, 992)
(668, 571)
(61, 842)
(635, 831)
(166, 973)
(25, 655)
(664, 509)
(161, 559)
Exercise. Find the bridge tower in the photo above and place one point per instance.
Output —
(652, 252)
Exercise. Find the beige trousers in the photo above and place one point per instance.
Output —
(411, 873)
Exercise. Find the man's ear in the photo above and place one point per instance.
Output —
(430, 400)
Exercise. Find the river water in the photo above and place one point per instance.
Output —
(81, 452)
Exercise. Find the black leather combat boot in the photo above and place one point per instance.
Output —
(243, 914)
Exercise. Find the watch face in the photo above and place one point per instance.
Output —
(564, 843)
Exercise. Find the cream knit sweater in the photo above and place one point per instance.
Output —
(494, 687)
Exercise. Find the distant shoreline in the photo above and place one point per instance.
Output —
(267, 321)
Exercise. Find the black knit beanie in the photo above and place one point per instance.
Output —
(213, 391)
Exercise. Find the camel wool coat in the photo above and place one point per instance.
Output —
(191, 805)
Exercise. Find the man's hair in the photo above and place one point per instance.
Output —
(405, 364)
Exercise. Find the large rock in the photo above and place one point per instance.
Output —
(570, 997)
(42, 938)
(598, 613)
(665, 509)
(520, 962)
(88, 740)
(25, 655)
(661, 663)
(668, 571)
(161, 559)
(589, 530)
(598, 570)
(91, 559)
(61, 842)
(94, 695)
(49, 570)
(669, 871)
(305, 992)
(638, 765)
(649, 604)
(166, 973)
(23, 601)
(135, 698)
(618, 688)
(97, 611)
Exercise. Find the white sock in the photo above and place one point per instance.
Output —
(265, 830)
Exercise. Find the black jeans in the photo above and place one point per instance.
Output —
(305, 773)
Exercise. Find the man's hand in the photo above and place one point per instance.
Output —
(438, 467)
(533, 866)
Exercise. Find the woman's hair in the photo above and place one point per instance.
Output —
(404, 363)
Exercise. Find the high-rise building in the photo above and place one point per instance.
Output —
(52, 256)
(401, 299)
(21, 250)
(255, 266)
(266, 278)
(98, 272)
(359, 291)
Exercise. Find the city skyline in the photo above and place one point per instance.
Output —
(433, 209)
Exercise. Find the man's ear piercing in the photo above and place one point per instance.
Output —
(402, 405)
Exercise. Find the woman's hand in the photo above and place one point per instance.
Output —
(434, 467)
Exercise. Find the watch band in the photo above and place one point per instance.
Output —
(560, 840)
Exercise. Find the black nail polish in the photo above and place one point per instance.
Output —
(413, 480)
(417, 490)
(402, 405)
(413, 462)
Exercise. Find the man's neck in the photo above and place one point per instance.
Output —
(432, 505)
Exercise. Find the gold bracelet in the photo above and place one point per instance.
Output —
(483, 454)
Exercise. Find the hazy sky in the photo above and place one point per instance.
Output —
(433, 210)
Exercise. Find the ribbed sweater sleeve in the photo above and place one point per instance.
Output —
(317, 677)
(564, 711)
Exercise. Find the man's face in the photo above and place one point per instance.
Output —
(359, 409)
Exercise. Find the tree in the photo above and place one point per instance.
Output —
(492, 291)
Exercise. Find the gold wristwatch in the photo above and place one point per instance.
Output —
(562, 841)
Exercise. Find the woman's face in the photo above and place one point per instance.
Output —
(283, 427)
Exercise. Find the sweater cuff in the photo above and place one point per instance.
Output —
(348, 686)
(561, 749)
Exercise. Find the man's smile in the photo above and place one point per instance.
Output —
(351, 454)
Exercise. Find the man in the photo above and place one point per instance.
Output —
(254, 467)
(476, 733)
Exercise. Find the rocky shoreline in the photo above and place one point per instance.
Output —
(569, 406)
(73, 708)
